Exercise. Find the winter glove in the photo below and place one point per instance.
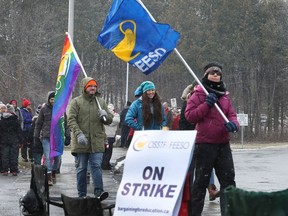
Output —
(211, 99)
(103, 115)
(231, 127)
(82, 140)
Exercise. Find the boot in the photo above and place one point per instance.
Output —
(54, 177)
(213, 192)
(50, 182)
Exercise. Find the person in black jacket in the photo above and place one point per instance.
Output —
(37, 145)
(123, 125)
(11, 137)
(42, 132)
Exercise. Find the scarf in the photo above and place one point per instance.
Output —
(214, 87)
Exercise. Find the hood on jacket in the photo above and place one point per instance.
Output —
(84, 82)
(50, 94)
(187, 91)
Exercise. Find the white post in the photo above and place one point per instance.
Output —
(127, 82)
(242, 135)
(71, 19)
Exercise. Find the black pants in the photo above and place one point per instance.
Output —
(108, 154)
(10, 157)
(124, 135)
(27, 145)
(207, 157)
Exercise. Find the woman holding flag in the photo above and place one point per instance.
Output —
(212, 147)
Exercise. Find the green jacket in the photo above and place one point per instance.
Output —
(83, 116)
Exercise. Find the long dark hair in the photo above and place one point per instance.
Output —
(146, 111)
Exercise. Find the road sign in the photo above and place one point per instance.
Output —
(173, 102)
(242, 119)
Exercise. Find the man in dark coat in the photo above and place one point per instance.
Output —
(123, 125)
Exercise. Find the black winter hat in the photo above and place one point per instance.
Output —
(212, 66)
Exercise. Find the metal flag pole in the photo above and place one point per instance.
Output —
(199, 82)
(127, 82)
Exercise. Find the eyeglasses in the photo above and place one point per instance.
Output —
(218, 73)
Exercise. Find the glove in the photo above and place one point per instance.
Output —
(67, 140)
(82, 140)
(211, 99)
(103, 115)
(231, 127)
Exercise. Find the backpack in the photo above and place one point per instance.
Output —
(31, 203)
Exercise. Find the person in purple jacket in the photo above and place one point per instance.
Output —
(212, 147)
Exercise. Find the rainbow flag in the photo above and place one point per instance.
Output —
(69, 69)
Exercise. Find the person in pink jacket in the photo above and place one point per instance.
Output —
(212, 147)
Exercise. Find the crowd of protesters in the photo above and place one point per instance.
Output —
(15, 135)
(21, 133)
(21, 129)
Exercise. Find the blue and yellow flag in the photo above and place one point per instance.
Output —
(134, 37)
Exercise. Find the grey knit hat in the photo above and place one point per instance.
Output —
(10, 108)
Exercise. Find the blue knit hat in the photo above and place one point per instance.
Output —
(138, 92)
(147, 85)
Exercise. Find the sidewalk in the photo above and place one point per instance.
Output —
(12, 188)
(66, 181)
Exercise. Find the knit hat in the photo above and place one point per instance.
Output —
(10, 108)
(147, 85)
(89, 83)
(26, 102)
(13, 101)
(212, 66)
(111, 108)
(3, 107)
(138, 92)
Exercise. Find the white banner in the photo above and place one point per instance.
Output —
(155, 168)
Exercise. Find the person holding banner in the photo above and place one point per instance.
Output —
(147, 112)
(86, 119)
(212, 147)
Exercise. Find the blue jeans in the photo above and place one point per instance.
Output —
(52, 164)
(95, 161)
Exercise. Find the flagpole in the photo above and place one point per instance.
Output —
(199, 82)
(71, 18)
(76, 55)
(187, 66)
(127, 81)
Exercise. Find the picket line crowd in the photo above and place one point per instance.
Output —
(91, 127)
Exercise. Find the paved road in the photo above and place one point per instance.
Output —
(256, 169)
